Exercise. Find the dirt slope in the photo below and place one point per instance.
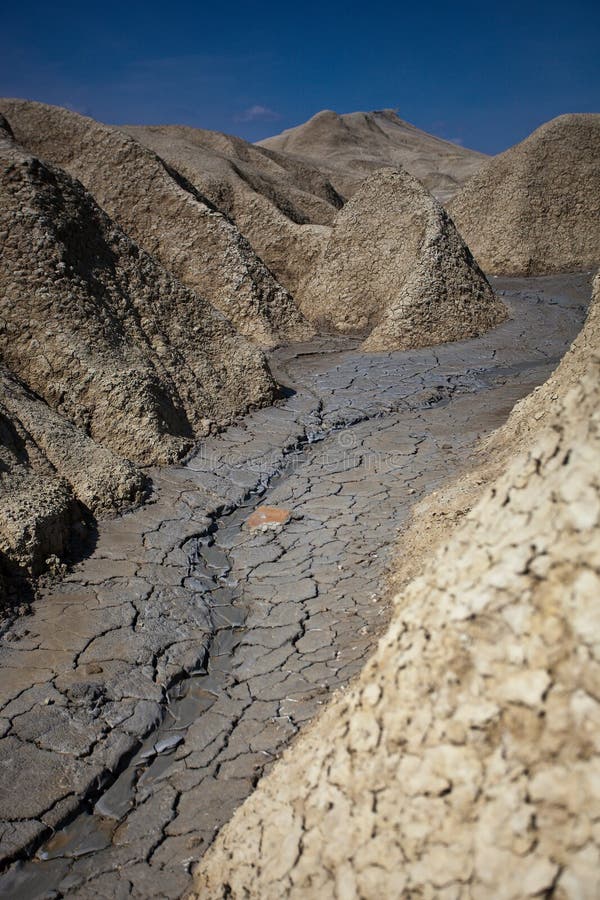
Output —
(104, 334)
(536, 208)
(349, 147)
(164, 214)
(278, 203)
(465, 761)
(50, 473)
(395, 269)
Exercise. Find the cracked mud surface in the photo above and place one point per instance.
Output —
(463, 763)
(147, 693)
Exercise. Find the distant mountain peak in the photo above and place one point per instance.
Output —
(349, 146)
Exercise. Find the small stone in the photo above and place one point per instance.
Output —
(93, 669)
(268, 517)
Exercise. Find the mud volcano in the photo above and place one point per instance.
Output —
(396, 272)
(322, 561)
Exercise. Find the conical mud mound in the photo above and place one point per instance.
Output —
(396, 271)
(110, 339)
(165, 215)
(536, 208)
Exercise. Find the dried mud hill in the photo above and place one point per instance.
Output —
(413, 285)
(465, 761)
(349, 147)
(51, 474)
(536, 208)
(105, 335)
(165, 215)
(280, 204)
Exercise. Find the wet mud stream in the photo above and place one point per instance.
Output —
(147, 693)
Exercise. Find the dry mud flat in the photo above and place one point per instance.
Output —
(146, 694)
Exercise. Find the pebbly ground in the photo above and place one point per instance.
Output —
(146, 693)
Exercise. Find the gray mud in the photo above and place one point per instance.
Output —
(147, 693)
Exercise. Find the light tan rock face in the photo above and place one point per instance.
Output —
(36, 505)
(349, 147)
(110, 339)
(164, 214)
(396, 270)
(49, 471)
(279, 203)
(465, 760)
(536, 208)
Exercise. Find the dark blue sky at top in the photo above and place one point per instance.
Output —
(484, 74)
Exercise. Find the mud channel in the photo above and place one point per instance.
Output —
(146, 694)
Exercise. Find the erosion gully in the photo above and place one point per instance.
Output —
(147, 692)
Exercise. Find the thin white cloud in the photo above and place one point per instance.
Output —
(257, 113)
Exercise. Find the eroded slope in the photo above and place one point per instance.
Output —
(51, 474)
(279, 203)
(164, 214)
(536, 207)
(112, 341)
(395, 270)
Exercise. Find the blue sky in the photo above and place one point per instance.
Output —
(485, 74)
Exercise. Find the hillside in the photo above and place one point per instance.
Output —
(280, 204)
(164, 215)
(350, 146)
(536, 208)
(99, 330)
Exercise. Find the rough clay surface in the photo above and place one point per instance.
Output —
(395, 268)
(198, 647)
(536, 207)
(164, 214)
(46, 465)
(279, 203)
(349, 147)
(110, 339)
(465, 760)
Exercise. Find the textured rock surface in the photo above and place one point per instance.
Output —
(464, 762)
(536, 207)
(349, 147)
(46, 465)
(111, 340)
(279, 203)
(164, 214)
(36, 507)
(395, 269)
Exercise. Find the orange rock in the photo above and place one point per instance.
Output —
(268, 517)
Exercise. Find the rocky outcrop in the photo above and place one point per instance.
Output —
(348, 148)
(105, 335)
(536, 208)
(50, 474)
(395, 270)
(465, 760)
(279, 203)
(165, 215)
